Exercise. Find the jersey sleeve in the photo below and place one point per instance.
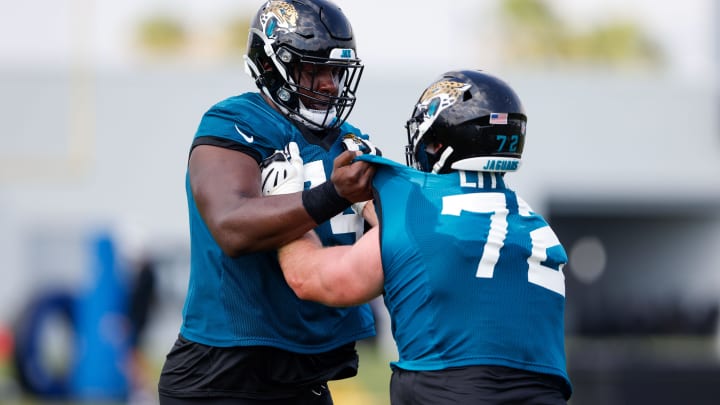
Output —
(241, 125)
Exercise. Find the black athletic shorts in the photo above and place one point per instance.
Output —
(196, 373)
(476, 385)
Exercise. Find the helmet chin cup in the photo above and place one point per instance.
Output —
(316, 119)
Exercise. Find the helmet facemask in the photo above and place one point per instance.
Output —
(417, 151)
(306, 91)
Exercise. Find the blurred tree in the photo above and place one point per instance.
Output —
(161, 35)
(237, 33)
(537, 35)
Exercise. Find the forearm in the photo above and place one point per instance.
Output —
(287, 216)
(226, 188)
(336, 276)
(304, 262)
(262, 223)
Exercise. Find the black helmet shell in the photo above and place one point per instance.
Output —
(476, 119)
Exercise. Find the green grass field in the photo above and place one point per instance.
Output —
(372, 384)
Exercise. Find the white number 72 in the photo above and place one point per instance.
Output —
(542, 238)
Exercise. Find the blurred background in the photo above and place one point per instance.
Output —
(99, 102)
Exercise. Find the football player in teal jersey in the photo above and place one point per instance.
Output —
(245, 337)
(471, 275)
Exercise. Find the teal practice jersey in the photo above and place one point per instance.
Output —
(244, 300)
(472, 275)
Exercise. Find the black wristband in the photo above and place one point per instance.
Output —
(323, 202)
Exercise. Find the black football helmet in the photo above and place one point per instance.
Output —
(287, 36)
(466, 120)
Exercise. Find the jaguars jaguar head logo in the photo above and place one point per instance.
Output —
(440, 96)
(278, 16)
(435, 99)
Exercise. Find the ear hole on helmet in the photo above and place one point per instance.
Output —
(467, 96)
